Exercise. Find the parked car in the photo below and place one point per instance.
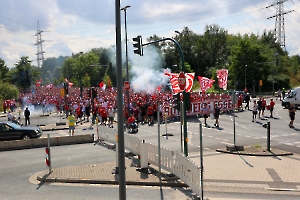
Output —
(12, 131)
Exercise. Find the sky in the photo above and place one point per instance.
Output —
(72, 26)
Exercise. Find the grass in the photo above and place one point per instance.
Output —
(256, 146)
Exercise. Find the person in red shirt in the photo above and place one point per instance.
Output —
(263, 106)
(104, 115)
(272, 104)
(130, 121)
(150, 114)
(79, 115)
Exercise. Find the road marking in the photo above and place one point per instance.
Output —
(226, 143)
(284, 135)
(290, 144)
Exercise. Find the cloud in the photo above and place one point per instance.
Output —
(74, 25)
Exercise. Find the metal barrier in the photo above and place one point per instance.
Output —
(178, 164)
(188, 172)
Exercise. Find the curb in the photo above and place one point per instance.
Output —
(109, 182)
(252, 154)
(55, 129)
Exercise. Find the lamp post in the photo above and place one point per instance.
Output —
(24, 60)
(245, 77)
(126, 51)
(180, 34)
(81, 89)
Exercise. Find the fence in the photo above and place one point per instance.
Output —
(178, 164)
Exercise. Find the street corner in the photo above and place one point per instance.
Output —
(38, 176)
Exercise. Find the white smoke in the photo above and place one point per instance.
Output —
(146, 73)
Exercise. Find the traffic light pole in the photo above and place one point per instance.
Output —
(183, 92)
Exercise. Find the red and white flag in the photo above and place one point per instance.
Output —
(205, 83)
(174, 81)
(39, 82)
(222, 75)
(70, 84)
(49, 86)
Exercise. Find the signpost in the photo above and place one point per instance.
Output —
(126, 85)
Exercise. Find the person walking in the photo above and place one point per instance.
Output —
(292, 113)
(272, 104)
(247, 100)
(27, 115)
(259, 106)
(263, 106)
(217, 115)
(254, 110)
(278, 94)
(283, 93)
(205, 111)
(72, 121)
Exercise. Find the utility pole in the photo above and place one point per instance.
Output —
(39, 45)
(279, 23)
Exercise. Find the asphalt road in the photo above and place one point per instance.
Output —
(245, 132)
(18, 166)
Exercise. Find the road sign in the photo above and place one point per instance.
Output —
(181, 81)
(126, 85)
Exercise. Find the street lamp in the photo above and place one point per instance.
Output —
(80, 54)
(245, 77)
(126, 49)
(180, 35)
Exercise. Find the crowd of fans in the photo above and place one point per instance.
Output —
(143, 106)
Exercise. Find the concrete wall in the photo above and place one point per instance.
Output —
(43, 142)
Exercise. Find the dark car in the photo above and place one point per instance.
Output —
(11, 131)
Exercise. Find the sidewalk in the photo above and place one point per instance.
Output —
(222, 172)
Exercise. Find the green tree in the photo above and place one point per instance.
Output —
(3, 70)
(24, 75)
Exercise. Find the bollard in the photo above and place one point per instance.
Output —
(48, 154)
(268, 136)
(144, 155)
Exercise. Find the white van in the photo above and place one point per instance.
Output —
(292, 97)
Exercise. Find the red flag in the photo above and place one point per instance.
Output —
(159, 88)
(205, 83)
(174, 81)
(222, 75)
(101, 84)
(38, 83)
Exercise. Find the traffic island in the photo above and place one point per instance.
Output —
(254, 150)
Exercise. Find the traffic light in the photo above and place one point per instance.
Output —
(66, 88)
(187, 101)
(94, 92)
(176, 101)
(138, 45)
(88, 92)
